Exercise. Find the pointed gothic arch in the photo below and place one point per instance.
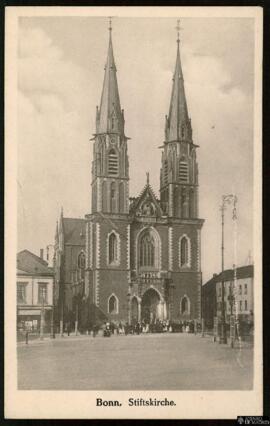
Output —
(148, 249)
(184, 252)
(113, 304)
(185, 305)
(113, 248)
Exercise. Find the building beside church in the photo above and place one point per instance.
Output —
(35, 282)
(238, 295)
(142, 255)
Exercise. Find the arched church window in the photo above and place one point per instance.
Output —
(184, 252)
(112, 248)
(147, 251)
(113, 163)
(185, 306)
(113, 304)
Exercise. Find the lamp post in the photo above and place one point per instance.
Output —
(226, 199)
(42, 314)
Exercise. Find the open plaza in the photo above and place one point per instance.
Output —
(170, 361)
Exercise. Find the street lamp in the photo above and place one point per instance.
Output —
(226, 199)
(42, 314)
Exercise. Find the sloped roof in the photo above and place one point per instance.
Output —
(30, 263)
(74, 231)
(241, 272)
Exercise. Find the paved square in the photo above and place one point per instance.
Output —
(154, 362)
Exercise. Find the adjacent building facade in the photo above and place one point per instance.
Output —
(142, 254)
(238, 295)
(34, 291)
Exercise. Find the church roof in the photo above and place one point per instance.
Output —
(110, 108)
(30, 263)
(74, 230)
(178, 112)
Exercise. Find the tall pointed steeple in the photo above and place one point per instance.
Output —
(110, 167)
(110, 117)
(178, 126)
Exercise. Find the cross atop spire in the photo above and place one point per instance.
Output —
(110, 24)
(178, 28)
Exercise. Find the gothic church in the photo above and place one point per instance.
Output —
(134, 258)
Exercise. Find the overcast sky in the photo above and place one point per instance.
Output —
(61, 65)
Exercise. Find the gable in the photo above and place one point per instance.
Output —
(146, 204)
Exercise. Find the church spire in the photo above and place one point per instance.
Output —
(178, 123)
(110, 118)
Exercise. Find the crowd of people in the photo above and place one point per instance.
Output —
(156, 326)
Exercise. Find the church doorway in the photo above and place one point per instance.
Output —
(151, 306)
(134, 310)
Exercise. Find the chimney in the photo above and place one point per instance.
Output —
(41, 253)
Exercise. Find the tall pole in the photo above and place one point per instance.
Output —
(42, 316)
(226, 199)
(223, 336)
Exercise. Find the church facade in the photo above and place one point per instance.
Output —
(142, 254)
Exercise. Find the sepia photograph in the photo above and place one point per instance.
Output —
(136, 240)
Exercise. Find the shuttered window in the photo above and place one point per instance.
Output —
(113, 162)
(183, 171)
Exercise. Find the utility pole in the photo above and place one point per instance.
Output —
(42, 315)
(226, 199)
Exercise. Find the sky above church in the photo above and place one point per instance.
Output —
(60, 74)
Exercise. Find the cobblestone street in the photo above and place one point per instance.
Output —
(153, 361)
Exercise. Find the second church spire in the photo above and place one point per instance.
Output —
(178, 123)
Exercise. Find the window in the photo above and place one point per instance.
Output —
(183, 171)
(104, 197)
(147, 251)
(219, 290)
(240, 305)
(185, 306)
(121, 198)
(246, 307)
(245, 291)
(42, 293)
(21, 292)
(113, 304)
(81, 264)
(113, 198)
(113, 163)
(165, 172)
(240, 289)
(112, 248)
(184, 251)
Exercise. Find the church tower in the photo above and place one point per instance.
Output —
(179, 170)
(108, 225)
(110, 161)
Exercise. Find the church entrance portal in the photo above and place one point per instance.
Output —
(151, 306)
